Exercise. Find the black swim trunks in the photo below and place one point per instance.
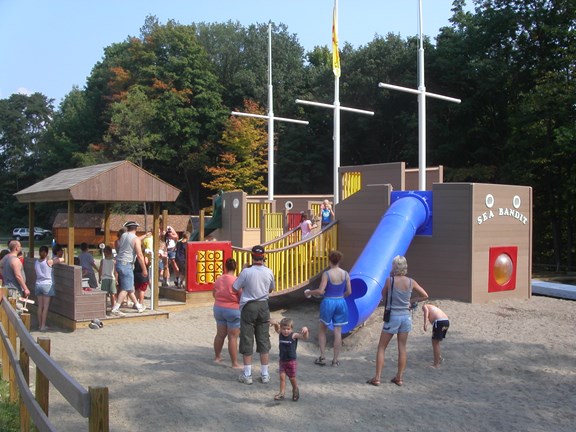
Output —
(439, 329)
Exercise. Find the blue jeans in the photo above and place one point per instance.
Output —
(125, 275)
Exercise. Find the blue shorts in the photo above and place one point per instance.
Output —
(47, 290)
(398, 324)
(125, 276)
(228, 317)
(439, 329)
(334, 311)
(172, 254)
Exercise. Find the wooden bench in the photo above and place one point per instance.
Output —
(70, 301)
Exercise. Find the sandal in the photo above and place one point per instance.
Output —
(320, 361)
(373, 381)
(397, 381)
(279, 397)
(335, 363)
(296, 394)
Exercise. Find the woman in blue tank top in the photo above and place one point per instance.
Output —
(404, 290)
(334, 286)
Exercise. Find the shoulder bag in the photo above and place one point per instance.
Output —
(388, 308)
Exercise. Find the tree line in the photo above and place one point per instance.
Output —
(163, 99)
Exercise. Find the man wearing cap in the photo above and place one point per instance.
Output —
(256, 283)
(129, 250)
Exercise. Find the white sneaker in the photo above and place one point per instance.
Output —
(245, 379)
(117, 312)
(265, 379)
(141, 308)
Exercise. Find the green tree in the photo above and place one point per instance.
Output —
(513, 62)
(177, 90)
(242, 162)
(23, 121)
(131, 134)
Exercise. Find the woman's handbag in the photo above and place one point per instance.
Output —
(388, 309)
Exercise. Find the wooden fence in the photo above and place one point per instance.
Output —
(91, 404)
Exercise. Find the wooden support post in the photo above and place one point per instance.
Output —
(164, 220)
(201, 223)
(99, 420)
(31, 231)
(71, 212)
(11, 373)
(25, 367)
(107, 239)
(42, 383)
(4, 320)
(155, 258)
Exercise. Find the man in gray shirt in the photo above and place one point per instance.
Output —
(256, 283)
(129, 250)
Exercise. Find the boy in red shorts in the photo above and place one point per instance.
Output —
(288, 364)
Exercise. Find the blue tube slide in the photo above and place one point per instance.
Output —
(391, 237)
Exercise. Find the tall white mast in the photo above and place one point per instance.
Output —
(336, 107)
(270, 117)
(422, 93)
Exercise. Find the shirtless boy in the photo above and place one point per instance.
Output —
(440, 324)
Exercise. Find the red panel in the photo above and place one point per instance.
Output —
(205, 262)
(494, 285)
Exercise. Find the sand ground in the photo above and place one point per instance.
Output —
(509, 366)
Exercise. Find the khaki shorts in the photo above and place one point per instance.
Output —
(255, 323)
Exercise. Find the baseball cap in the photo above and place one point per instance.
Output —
(258, 251)
(130, 224)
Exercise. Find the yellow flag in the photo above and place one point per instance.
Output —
(335, 54)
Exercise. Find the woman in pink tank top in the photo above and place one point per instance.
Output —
(227, 313)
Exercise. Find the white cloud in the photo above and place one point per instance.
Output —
(23, 91)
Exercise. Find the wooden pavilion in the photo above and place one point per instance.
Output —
(120, 181)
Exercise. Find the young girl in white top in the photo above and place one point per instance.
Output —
(44, 289)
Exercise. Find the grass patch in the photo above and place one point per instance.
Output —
(9, 412)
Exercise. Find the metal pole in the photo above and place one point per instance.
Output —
(336, 136)
(421, 108)
(270, 120)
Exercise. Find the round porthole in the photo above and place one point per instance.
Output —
(235, 203)
(503, 268)
(489, 200)
(288, 205)
(516, 201)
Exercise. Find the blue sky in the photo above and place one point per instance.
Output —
(48, 46)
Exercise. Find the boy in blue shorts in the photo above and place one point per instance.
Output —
(440, 323)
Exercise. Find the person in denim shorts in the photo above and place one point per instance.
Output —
(226, 313)
(129, 249)
(403, 292)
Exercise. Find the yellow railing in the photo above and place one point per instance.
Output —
(351, 183)
(273, 226)
(315, 212)
(253, 211)
(293, 265)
